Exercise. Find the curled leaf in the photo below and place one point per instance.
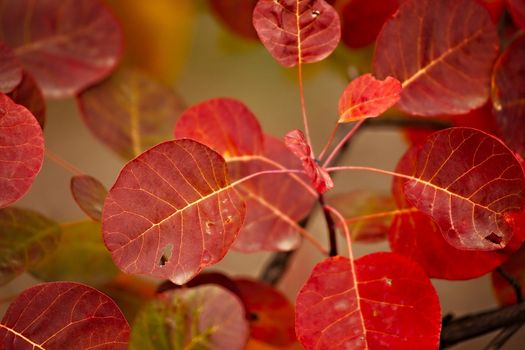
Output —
(89, 194)
(29, 95)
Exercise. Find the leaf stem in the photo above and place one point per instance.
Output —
(331, 226)
(63, 163)
(303, 106)
(343, 142)
(380, 215)
(371, 169)
(329, 141)
(345, 229)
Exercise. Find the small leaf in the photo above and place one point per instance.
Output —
(29, 95)
(296, 31)
(517, 11)
(27, 238)
(207, 317)
(366, 97)
(236, 15)
(63, 315)
(357, 204)
(21, 150)
(469, 182)
(129, 112)
(379, 300)
(10, 70)
(271, 315)
(508, 89)
(296, 142)
(65, 45)
(172, 212)
(442, 52)
(89, 194)
(80, 256)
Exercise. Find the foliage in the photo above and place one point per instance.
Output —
(204, 180)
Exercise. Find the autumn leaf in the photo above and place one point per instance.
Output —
(379, 299)
(517, 11)
(236, 15)
(442, 52)
(21, 150)
(10, 69)
(63, 315)
(366, 97)
(89, 194)
(297, 31)
(171, 212)
(65, 45)
(29, 95)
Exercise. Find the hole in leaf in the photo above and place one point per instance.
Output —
(315, 13)
(228, 219)
(252, 316)
(494, 238)
(388, 282)
(163, 260)
(166, 254)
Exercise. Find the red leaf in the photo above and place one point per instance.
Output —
(89, 194)
(468, 182)
(21, 150)
(508, 90)
(224, 124)
(172, 211)
(517, 11)
(236, 15)
(442, 52)
(231, 129)
(66, 46)
(10, 69)
(296, 31)
(367, 97)
(495, 8)
(380, 301)
(29, 95)
(363, 19)
(271, 315)
(296, 142)
(63, 315)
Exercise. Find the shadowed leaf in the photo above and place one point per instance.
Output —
(63, 315)
(297, 31)
(21, 150)
(367, 97)
(171, 212)
(207, 317)
(89, 194)
(236, 15)
(29, 95)
(379, 299)
(129, 112)
(65, 45)
(80, 256)
(508, 94)
(442, 52)
(26, 239)
(517, 11)
(10, 70)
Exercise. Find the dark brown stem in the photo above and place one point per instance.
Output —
(513, 283)
(330, 224)
(499, 341)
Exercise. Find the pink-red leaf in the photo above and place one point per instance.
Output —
(297, 31)
(172, 211)
(236, 15)
(367, 97)
(10, 69)
(129, 112)
(442, 52)
(296, 142)
(469, 182)
(29, 95)
(21, 150)
(380, 301)
(517, 11)
(65, 45)
(508, 91)
(63, 315)
(89, 194)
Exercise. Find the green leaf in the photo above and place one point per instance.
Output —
(26, 238)
(81, 256)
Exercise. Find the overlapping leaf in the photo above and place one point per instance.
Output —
(517, 11)
(359, 208)
(297, 31)
(10, 69)
(380, 300)
(508, 91)
(231, 129)
(89, 194)
(367, 97)
(21, 150)
(470, 183)
(172, 211)
(65, 45)
(514, 267)
(26, 239)
(129, 112)
(442, 52)
(63, 315)
(80, 256)
(236, 15)
(271, 315)
(29, 95)
(206, 317)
